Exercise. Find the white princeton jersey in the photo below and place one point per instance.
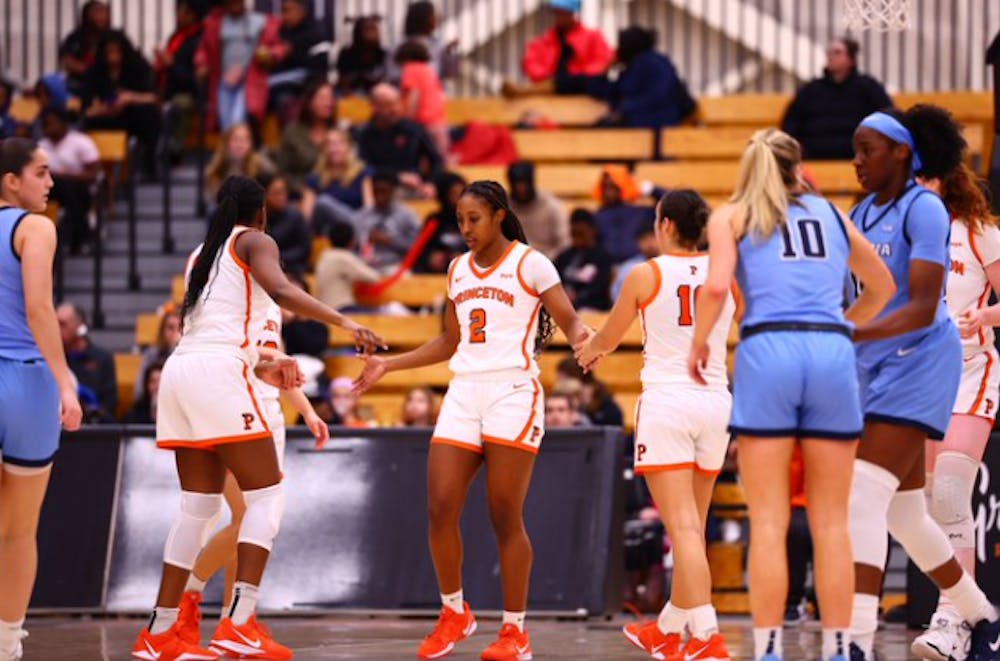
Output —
(968, 287)
(268, 334)
(229, 308)
(668, 323)
(498, 310)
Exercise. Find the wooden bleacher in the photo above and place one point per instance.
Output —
(398, 332)
(571, 145)
(127, 373)
(563, 110)
(560, 179)
(719, 177)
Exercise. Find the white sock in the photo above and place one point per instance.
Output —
(703, 621)
(244, 602)
(672, 619)
(162, 619)
(194, 584)
(10, 634)
(969, 601)
(454, 601)
(864, 622)
(517, 619)
(836, 642)
(767, 640)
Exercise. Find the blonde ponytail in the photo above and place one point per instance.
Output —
(767, 172)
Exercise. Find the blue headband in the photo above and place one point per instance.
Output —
(891, 128)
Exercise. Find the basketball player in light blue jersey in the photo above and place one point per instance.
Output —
(910, 364)
(794, 381)
(37, 390)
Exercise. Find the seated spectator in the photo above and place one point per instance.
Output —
(301, 58)
(386, 230)
(362, 65)
(74, 163)
(51, 92)
(339, 268)
(168, 335)
(618, 220)
(119, 93)
(647, 92)
(446, 242)
(423, 94)
(286, 225)
(562, 410)
(649, 247)
(175, 71)
(302, 335)
(235, 48)
(235, 155)
(542, 215)
(8, 126)
(391, 141)
(93, 366)
(78, 51)
(420, 409)
(302, 140)
(340, 186)
(143, 409)
(585, 267)
(598, 403)
(825, 111)
(345, 410)
(420, 24)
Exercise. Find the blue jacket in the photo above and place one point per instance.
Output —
(647, 94)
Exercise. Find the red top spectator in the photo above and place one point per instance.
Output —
(591, 55)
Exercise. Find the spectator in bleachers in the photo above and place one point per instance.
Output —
(301, 58)
(143, 409)
(119, 93)
(826, 110)
(8, 126)
(596, 402)
(74, 163)
(78, 51)
(618, 220)
(389, 140)
(585, 267)
(93, 366)
(363, 64)
(167, 337)
(386, 229)
(175, 70)
(51, 92)
(562, 409)
(301, 335)
(339, 187)
(645, 240)
(344, 406)
(339, 268)
(420, 24)
(446, 242)
(235, 154)
(542, 215)
(579, 50)
(235, 47)
(647, 92)
(286, 225)
(423, 94)
(420, 408)
(302, 140)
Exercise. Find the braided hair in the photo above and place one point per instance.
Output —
(494, 195)
(239, 201)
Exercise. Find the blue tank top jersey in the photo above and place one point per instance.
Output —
(915, 225)
(16, 340)
(798, 274)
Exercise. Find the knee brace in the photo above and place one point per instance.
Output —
(917, 532)
(951, 497)
(871, 491)
(199, 514)
(262, 519)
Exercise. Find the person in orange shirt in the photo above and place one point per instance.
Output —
(423, 94)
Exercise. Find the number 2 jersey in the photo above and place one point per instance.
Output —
(498, 309)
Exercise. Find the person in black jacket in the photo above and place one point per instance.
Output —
(286, 225)
(78, 50)
(362, 65)
(304, 58)
(175, 70)
(585, 267)
(825, 111)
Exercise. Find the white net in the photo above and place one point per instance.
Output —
(877, 15)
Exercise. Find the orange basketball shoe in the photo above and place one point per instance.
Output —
(248, 641)
(189, 618)
(511, 645)
(169, 646)
(648, 637)
(451, 628)
(696, 649)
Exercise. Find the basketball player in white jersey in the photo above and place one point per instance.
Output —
(209, 414)
(952, 465)
(680, 426)
(500, 298)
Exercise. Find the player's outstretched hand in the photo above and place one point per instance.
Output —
(320, 430)
(365, 340)
(70, 413)
(283, 373)
(969, 322)
(374, 370)
(697, 361)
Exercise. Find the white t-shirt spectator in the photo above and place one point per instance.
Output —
(72, 154)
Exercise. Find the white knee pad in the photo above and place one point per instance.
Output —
(871, 491)
(199, 514)
(262, 519)
(917, 532)
(951, 497)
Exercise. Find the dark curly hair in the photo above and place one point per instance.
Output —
(495, 197)
(938, 138)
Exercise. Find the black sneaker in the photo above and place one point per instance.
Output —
(985, 641)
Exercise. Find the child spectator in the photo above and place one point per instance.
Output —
(143, 410)
(286, 225)
(423, 95)
(302, 141)
(174, 65)
(420, 25)
(339, 268)
(340, 185)
(74, 163)
(168, 335)
(302, 57)
(386, 230)
(345, 409)
(420, 409)
(618, 220)
(235, 155)
(585, 267)
(362, 65)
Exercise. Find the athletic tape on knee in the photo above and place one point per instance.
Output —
(921, 538)
(262, 519)
(198, 514)
(871, 491)
(951, 497)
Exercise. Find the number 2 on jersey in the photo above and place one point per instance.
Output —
(686, 298)
(477, 326)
